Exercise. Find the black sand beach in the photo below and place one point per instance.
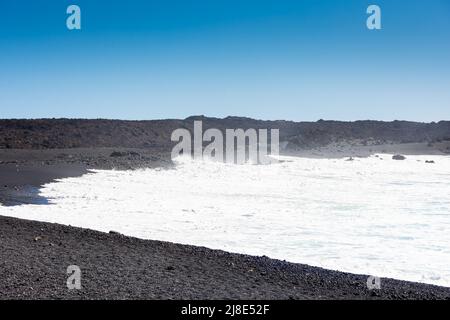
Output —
(34, 256)
(24, 171)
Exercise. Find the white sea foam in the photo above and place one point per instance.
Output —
(372, 215)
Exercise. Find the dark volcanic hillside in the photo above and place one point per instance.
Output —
(80, 133)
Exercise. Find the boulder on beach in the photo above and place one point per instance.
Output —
(398, 157)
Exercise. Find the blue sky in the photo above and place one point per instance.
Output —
(296, 60)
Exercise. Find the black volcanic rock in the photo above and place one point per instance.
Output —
(398, 157)
(82, 133)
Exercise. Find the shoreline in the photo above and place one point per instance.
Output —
(35, 256)
(25, 171)
(115, 266)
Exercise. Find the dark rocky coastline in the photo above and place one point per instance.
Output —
(34, 255)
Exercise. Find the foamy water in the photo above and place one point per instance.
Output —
(373, 215)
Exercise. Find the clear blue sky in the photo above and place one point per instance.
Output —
(296, 60)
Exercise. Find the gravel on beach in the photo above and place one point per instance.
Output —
(34, 258)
